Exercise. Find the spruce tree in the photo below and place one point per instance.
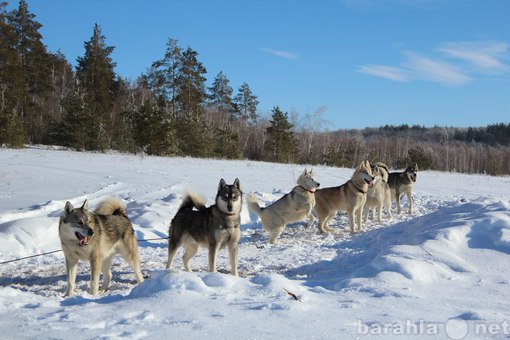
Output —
(246, 104)
(220, 96)
(11, 81)
(190, 85)
(194, 134)
(282, 144)
(34, 71)
(95, 74)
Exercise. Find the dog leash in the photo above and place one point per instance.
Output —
(56, 251)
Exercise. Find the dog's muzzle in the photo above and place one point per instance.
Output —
(84, 240)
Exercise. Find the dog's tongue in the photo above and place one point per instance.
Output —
(82, 239)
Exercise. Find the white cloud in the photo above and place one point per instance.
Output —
(281, 54)
(486, 57)
(435, 71)
(458, 65)
(388, 72)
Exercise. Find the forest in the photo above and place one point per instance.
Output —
(172, 110)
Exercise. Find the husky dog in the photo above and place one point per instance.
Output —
(350, 197)
(214, 227)
(402, 182)
(292, 207)
(97, 237)
(379, 194)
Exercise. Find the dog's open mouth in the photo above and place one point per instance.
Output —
(84, 240)
(370, 183)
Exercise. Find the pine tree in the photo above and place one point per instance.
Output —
(195, 136)
(34, 72)
(95, 74)
(11, 80)
(220, 96)
(246, 104)
(190, 91)
(282, 144)
(163, 74)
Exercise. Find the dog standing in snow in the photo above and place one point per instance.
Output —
(97, 237)
(295, 206)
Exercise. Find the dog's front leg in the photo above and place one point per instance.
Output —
(232, 251)
(213, 252)
(311, 218)
(359, 216)
(399, 209)
(95, 271)
(410, 200)
(71, 267)
(351, 215)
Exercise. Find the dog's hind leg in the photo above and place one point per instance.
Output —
(191, 250)
(274, 234)
(172, 251)
(71, 266)
(133, 259)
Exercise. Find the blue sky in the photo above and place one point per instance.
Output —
(364, 62)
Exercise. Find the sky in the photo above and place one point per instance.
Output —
(353, 63)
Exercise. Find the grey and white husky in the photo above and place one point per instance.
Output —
(214, 227)
(97, 237)
(403, 182)
(378, 195)
(349, 197)
(295, 206)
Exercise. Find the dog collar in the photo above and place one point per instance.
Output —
(310, 191)
(359, 190)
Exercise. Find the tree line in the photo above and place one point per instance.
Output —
(170, 111)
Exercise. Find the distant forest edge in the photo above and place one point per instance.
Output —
(170, 111)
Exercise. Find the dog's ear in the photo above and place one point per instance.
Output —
(305, 172)
(237, 184)
(85, 205)
(415, 166)
(68, 208)
(222, 184)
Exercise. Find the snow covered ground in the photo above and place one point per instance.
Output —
(442, 273)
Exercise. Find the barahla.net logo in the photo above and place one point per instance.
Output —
(454, 328)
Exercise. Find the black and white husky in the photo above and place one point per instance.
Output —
(213, 227)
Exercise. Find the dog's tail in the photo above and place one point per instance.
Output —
(111, 206)
(192, 200)
(253, 204)
(385, 171)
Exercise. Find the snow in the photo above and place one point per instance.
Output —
(442, 272)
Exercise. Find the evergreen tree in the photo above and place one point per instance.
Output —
(190, 90)
(11, 80)
(220, 96)
(152, 132)
(282, 144)
(163, 74)
(95, 74)
(34, 72)
(193, 133)
(246, 104)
